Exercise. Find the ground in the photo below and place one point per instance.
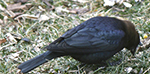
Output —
(29, 26)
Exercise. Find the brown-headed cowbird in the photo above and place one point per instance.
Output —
(91, 42)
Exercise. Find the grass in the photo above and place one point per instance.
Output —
(41, 33)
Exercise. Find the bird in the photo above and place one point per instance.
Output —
(91, 42)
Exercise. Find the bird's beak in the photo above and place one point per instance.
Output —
(133, 50)
(140, 44)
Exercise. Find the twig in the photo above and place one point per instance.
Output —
(7, 45)
(146, 70)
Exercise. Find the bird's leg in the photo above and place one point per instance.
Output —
(115, 62)
(82, 64)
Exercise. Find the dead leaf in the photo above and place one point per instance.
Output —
(22, 1)
(138, 0)
(18, 37)
(117, 9)
(13, 37)
(16, 15)
(2, 41)
(82, 1)
(7, 11)
(109, 2)
(33, 17)
(126, 4)
(119, 1)
(79, 11)
(113, 2)
(43, 18)
(18, 6)
(10, 38)
(42, 9)
(27, 16)
(61, 9)
(37, 49)
(14, 56)
(128, 69)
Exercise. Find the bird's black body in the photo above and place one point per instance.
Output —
(91, 42)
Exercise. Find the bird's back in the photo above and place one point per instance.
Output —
(96, 39)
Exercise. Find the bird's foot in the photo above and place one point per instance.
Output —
(115, 62)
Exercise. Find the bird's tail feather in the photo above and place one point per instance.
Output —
(36, 61)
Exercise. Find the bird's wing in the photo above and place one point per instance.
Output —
(87, 40)
(92, 38)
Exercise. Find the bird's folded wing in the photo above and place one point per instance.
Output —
(87, 39)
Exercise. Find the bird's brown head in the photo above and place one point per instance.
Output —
(135, 42)
(133, 38)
